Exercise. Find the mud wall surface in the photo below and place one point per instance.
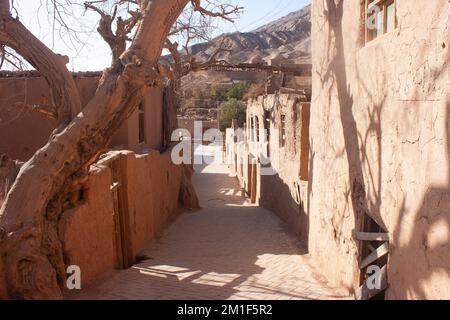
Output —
(87, 232)
(153, 125)
(153, 186)
(3, 292)
(189, 125)
(129, 198)
(277, 185)
(379, 136)
(24, 131)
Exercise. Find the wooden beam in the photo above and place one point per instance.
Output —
(114, 186)
(366, 31)
(372, 236)
(378, 253)
(364, 293)
(300, 70)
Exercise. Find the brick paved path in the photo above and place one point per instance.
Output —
(227, 250)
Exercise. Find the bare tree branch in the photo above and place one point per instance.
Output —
(117, 40)
(10, 59)
(52, 66)
(193, 26)
(224, 11)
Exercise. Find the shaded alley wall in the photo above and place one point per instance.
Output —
(380, 144)
(283, 192)
(128, 200)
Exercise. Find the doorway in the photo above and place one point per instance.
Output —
(122, 239)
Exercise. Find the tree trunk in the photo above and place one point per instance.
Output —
(188, 196)
(170, 106)
(30, 247)
(64, 93)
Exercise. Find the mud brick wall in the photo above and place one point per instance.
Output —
(380, 144)
(23, 131)
(149, 186)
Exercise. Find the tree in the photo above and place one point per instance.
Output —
(31, 251)
(234, 91)
(195, 25)
(254, 91)
(232, 109)
(116, 39)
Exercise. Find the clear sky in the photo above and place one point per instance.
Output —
(92, 53)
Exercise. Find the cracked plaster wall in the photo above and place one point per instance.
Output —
(380, 135)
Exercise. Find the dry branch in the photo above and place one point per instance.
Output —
(224, 11)
(64, 92)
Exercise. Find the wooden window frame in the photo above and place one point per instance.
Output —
(252, 127)
(266, 126)
(304, 142)
(383, 4)
(141, 123)
(282, 130)
(257, 128)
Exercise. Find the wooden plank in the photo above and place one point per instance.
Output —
(115, 186)
(372, 236)
(378, 253)
(364, 293)
(297, 69)
(254, 183)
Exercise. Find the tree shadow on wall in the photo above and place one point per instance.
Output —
(334, 75)
(422, 254)
(366, 176)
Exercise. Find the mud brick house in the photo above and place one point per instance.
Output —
(270, 154)
(376, 190)
(23, 130)
(189, 125)
(380, 143)
(270, 159)
(131, 192)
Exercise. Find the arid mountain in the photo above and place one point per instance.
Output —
(286, 38)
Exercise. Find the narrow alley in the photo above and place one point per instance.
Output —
(216, 150)
(227, 250)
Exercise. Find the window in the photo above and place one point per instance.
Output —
(257, 128)
(141, 122)
(282, 130)
(304, 142)
(380, 18)
(390, 16)
(267, 130)
(252, 127)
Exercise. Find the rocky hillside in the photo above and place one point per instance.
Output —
(287, 38)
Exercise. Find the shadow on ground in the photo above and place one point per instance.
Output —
(227, 250)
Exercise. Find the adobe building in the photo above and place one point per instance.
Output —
(269, 156)
(380, 148)
(24, 131)
(375, 190)
(132, 192)
(189, 125)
